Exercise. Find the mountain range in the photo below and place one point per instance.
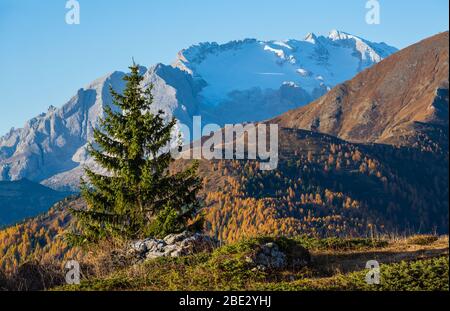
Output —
(368, 158)
(396, 102)
(240, 81)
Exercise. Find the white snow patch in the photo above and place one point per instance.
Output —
(303, 72)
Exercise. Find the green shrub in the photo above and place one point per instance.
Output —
(419, 275)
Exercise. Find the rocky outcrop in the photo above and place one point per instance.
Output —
(173, 245)
(265, 256)
(54, 141)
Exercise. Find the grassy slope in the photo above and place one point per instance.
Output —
(337, 264)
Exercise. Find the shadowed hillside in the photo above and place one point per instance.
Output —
(325, 186)
(23, 199)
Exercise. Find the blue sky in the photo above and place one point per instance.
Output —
(44, 61)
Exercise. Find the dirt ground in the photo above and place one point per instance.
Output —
(396, 251)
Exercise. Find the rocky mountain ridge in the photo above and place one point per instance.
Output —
(402, 100)
(241, 81)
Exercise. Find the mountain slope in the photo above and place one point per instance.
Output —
(55, 140)
(239, 81)
(326, 186)
(23, 199)
(393, 177)
(40, 238)
(401, 100)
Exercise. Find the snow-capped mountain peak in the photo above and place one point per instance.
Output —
(246, 64)
(310, 37)
(339, 35)
(239, 81)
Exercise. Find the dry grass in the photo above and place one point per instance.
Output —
(107, 267)
(397, 249)
(423, 239)
(341, 266)
(105, 258)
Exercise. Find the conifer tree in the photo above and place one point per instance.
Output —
(138, 196)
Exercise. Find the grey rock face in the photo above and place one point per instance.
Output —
(54, 141)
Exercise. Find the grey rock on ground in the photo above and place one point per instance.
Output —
(173, 245)
(270, 256)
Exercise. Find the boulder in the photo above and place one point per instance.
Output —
(173, 238)
(173, 245)
(299, 257)
(269, 256)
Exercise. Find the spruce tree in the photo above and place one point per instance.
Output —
(138, 197)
